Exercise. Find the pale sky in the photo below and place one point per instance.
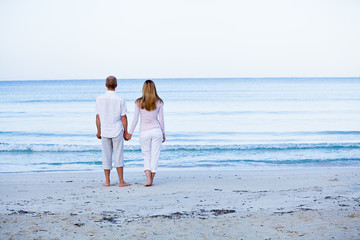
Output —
(91, 39)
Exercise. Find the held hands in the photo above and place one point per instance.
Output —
(127, 136)
(98, 135)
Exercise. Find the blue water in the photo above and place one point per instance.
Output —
(210, 123)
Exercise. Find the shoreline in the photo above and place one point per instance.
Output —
(195, 169)
(311, 203)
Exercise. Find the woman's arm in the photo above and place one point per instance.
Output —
(161, 120)
(135, 119)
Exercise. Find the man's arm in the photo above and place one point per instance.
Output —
(125, 125)
(98, 135)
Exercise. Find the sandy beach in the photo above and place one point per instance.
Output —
(303, 203)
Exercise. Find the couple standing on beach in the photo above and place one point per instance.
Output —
(111, 123)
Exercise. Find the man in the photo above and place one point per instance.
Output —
(111, 123)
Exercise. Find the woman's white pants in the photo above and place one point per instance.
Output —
(150, 142)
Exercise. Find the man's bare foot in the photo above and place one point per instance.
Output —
(106, 184)
(124, 184)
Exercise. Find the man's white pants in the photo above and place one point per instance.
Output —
(110, 145)
(150, 142)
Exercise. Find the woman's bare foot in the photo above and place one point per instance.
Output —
(149, 182)
(150, 179)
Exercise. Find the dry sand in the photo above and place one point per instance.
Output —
(304, 203)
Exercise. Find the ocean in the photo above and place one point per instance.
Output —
(48, 126)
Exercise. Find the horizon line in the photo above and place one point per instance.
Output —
(82, 79)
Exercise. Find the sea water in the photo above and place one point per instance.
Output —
(210, 123)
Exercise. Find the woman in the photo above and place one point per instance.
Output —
(152, 130)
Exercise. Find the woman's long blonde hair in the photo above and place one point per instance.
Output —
(149, 96)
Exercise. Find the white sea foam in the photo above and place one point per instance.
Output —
(242, 147)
